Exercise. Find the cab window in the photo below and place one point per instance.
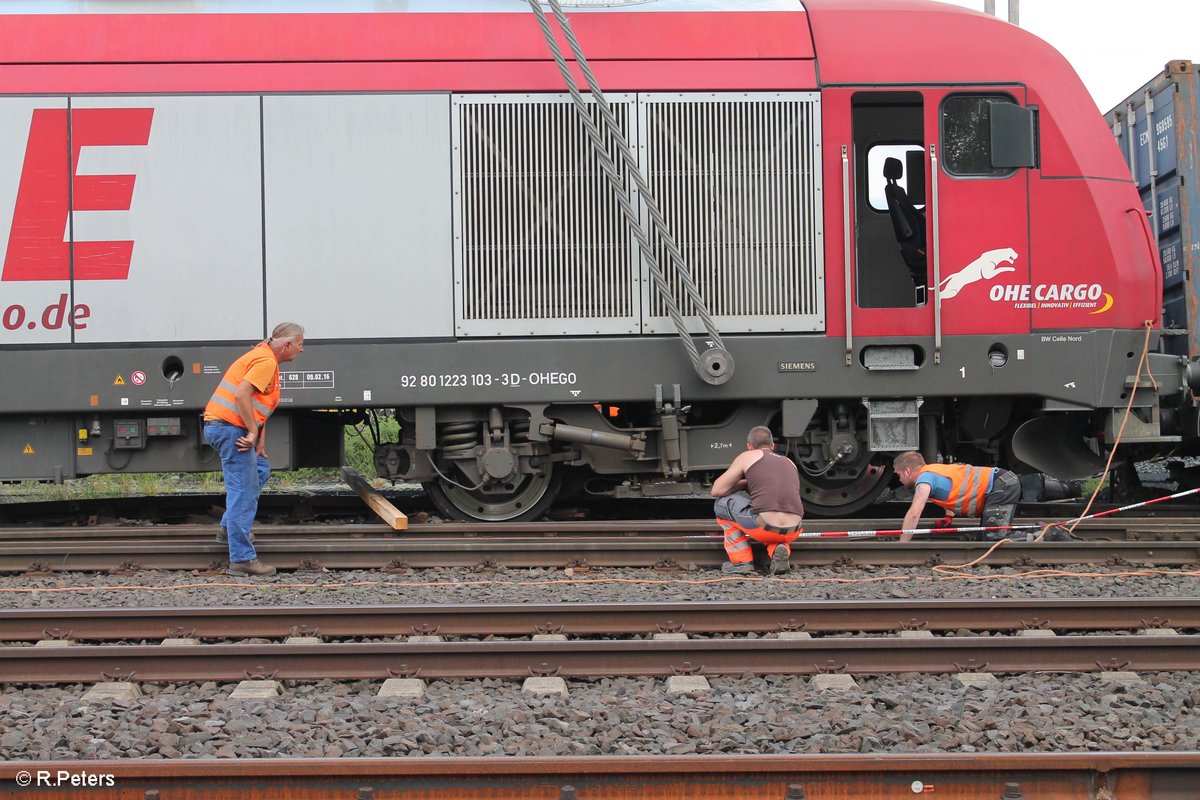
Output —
(974, 131)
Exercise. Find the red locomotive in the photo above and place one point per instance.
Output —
(873, 226)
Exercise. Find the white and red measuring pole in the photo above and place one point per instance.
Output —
(981, 528)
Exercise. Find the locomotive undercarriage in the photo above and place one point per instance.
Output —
(506, 449)
(511, 462)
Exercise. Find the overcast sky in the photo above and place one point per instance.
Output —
(1114, 45)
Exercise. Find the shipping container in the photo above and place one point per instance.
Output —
(1157, 128)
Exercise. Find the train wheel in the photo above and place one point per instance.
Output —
(528, 500)
(831, 497)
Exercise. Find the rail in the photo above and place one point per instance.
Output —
(662, 552)
(1127, 775)
(592, 619)
(591, 659)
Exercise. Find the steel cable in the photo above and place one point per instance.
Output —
(658, 222)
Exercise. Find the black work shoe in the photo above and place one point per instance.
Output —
(779, 561)
(223, 536)
(1057, 533)
(737, 569)
(251, 567)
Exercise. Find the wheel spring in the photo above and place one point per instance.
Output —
(458, 437)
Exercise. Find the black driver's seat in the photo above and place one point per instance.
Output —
(908, 222)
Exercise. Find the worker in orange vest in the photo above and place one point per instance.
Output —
(989, 493)
(235, 424)
(759, 501)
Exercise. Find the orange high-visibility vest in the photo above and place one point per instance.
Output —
(222, 404)
(968, 487)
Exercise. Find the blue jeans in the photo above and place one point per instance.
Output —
(246, 473)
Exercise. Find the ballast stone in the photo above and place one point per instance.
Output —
(404, 688)
(975, 680)
(1124, 677)
(541, 685)
(836, 681)
(688, 684)
(255, 690)
(113, 692)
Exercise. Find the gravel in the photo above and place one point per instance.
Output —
(887, 714)
(437, 586)
(774, 714)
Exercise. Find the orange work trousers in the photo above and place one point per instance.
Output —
(737, 540)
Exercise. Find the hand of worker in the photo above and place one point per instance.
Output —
(945, 522)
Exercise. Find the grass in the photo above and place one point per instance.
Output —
(358, 455)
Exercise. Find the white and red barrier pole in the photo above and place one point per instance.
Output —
(981, 528)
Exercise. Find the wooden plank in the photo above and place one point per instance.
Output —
(393, 516)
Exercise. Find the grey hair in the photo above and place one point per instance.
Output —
(760, 436)
(287, 331)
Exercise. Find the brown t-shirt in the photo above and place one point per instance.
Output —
(774, 485)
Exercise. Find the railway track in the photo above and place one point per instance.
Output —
(593, 659)
(338, 502)
(663, 544)
(978, 648)
(983, 774)
(1127, 529)
(601, 619)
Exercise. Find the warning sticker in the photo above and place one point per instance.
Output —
(83, 451)
(138, 377)
(119, 381)
(28, 449)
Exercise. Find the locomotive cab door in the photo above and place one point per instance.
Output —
(937, 231)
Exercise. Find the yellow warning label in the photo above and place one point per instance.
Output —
(83, 451)
(119, 381)
(28, 449)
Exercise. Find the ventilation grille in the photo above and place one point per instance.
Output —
(738, 182)
(544, 246)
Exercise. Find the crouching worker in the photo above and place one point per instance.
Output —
(759, 500)
(989, 493)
